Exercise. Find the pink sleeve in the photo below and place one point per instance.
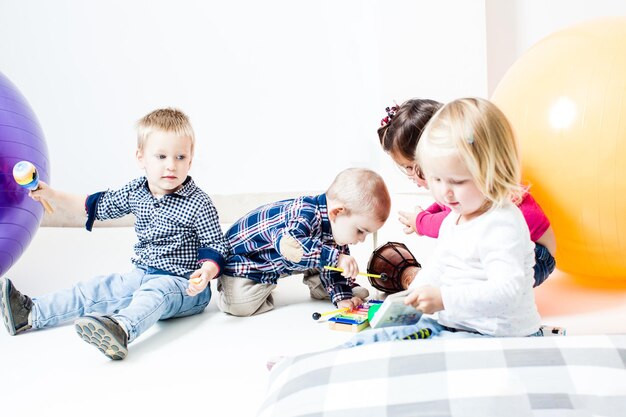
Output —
(536, 219)
(428, 222)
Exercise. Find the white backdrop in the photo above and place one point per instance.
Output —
(282, 94)
(513, 26)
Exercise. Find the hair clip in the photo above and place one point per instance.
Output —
(391, 113)
(470, 139)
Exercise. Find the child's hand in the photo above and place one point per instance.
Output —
(199, 280)
(426, 299)
(407, 218)
(348, 264)
(350, 303)
(408, 276)
(43, 192)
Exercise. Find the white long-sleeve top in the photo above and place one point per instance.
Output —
(484, 268)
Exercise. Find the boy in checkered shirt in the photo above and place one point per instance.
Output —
(180, 248)
(304, 235)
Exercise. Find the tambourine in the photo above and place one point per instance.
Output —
(390, 259)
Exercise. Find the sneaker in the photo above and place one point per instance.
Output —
(15, 308)
(104, 333)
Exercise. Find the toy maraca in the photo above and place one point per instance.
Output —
(390, 259)
(26, 175)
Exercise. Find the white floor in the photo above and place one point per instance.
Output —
(210, 364)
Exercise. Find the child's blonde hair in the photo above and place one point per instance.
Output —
(361, 191)
(164, 120)
(480, 134)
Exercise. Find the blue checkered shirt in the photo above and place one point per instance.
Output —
(176, 232)
(255, 242)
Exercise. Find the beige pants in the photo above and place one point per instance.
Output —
(316, 288)
(244, 297)
(312, 280)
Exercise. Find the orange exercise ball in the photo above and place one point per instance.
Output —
(566, 99)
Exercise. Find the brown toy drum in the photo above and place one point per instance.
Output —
(390, 259)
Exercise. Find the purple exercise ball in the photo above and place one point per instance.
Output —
(21, 139)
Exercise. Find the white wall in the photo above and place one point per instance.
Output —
(282, 94)
(513, 26)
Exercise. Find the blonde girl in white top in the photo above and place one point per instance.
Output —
(480, 278)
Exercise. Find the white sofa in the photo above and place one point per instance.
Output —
(212, 364)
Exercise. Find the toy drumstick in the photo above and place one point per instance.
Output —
(26, 175)
(382, 276)
(317, 315)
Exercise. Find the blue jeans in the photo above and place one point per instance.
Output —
(400, 332)
(136, 299)
(544, 264)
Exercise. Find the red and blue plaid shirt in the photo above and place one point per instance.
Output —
(255, 244)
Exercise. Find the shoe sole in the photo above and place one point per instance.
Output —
(7, 317)
(94, 333)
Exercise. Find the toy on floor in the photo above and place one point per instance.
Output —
(390, 259)
(354, 320)
(316, 315)
(382, 276)
(26, 175)
(350, 320)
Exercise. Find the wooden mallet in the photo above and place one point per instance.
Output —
(382, 277)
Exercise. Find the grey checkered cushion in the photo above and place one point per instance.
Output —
(571, 376)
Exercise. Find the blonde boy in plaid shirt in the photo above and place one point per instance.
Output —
(179, 237)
